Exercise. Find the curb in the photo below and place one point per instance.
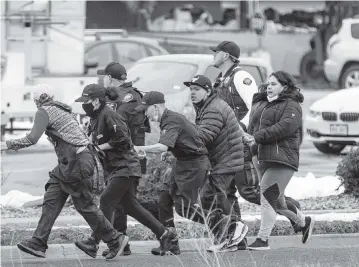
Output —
(77, 218)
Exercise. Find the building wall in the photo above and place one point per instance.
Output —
(122, 14)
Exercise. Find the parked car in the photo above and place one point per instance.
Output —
(333, 121)
(167, 73)
(342, 66)
(118, 48)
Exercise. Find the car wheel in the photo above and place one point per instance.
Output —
(350, 77)
(326, 148)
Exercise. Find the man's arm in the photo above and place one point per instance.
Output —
(167, 140)
(210, 126)
(41, 121)
(156, 148)
(246, 87)
(119, 134)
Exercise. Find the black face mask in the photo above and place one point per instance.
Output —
(88, 108)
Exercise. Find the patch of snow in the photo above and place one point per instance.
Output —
(310, 186)
(332, 216)
(16, 199)
(298, 188)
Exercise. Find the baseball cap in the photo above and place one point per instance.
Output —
(228, 47)
(92, 91)
(149, 99)
(115, 70)
(200, 80)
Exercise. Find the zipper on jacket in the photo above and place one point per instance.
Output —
(276, 143)
(260, 124)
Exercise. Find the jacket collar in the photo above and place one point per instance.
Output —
(296, 96)
(199, 110)
(126, 85)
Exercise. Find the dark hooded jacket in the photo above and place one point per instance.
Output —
(276, 126)
(220, 132)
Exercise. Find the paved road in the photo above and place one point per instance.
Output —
(328, 251)
(29, 171)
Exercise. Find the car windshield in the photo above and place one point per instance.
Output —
(161, 76)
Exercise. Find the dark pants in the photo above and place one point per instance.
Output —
(121, 190)
(55, 199)
(120, 217)
(184, 195)
(214, 193)
(182, 190)
(79, 183)
(186, 209)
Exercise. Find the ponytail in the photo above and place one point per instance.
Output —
(112, 93)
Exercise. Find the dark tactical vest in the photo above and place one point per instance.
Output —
(226, 90)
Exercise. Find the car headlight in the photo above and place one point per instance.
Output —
(314, 113)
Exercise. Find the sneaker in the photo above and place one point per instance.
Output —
(89, 246)
(117, 247)
(307, 230)
(243, 245)
(219, 247)
(222, 249)
(238, 235)
(31, 248)
(259, 244)
(166, 240)
(126, 251)
(175, 249)
(225, 248)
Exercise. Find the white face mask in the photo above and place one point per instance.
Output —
(271, 99)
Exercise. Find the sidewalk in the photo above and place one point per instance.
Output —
(65, 251)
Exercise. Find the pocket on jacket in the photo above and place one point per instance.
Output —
(86, 164)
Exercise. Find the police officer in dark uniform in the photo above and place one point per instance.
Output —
(123, 98)
(111, 134)
(180, 137)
